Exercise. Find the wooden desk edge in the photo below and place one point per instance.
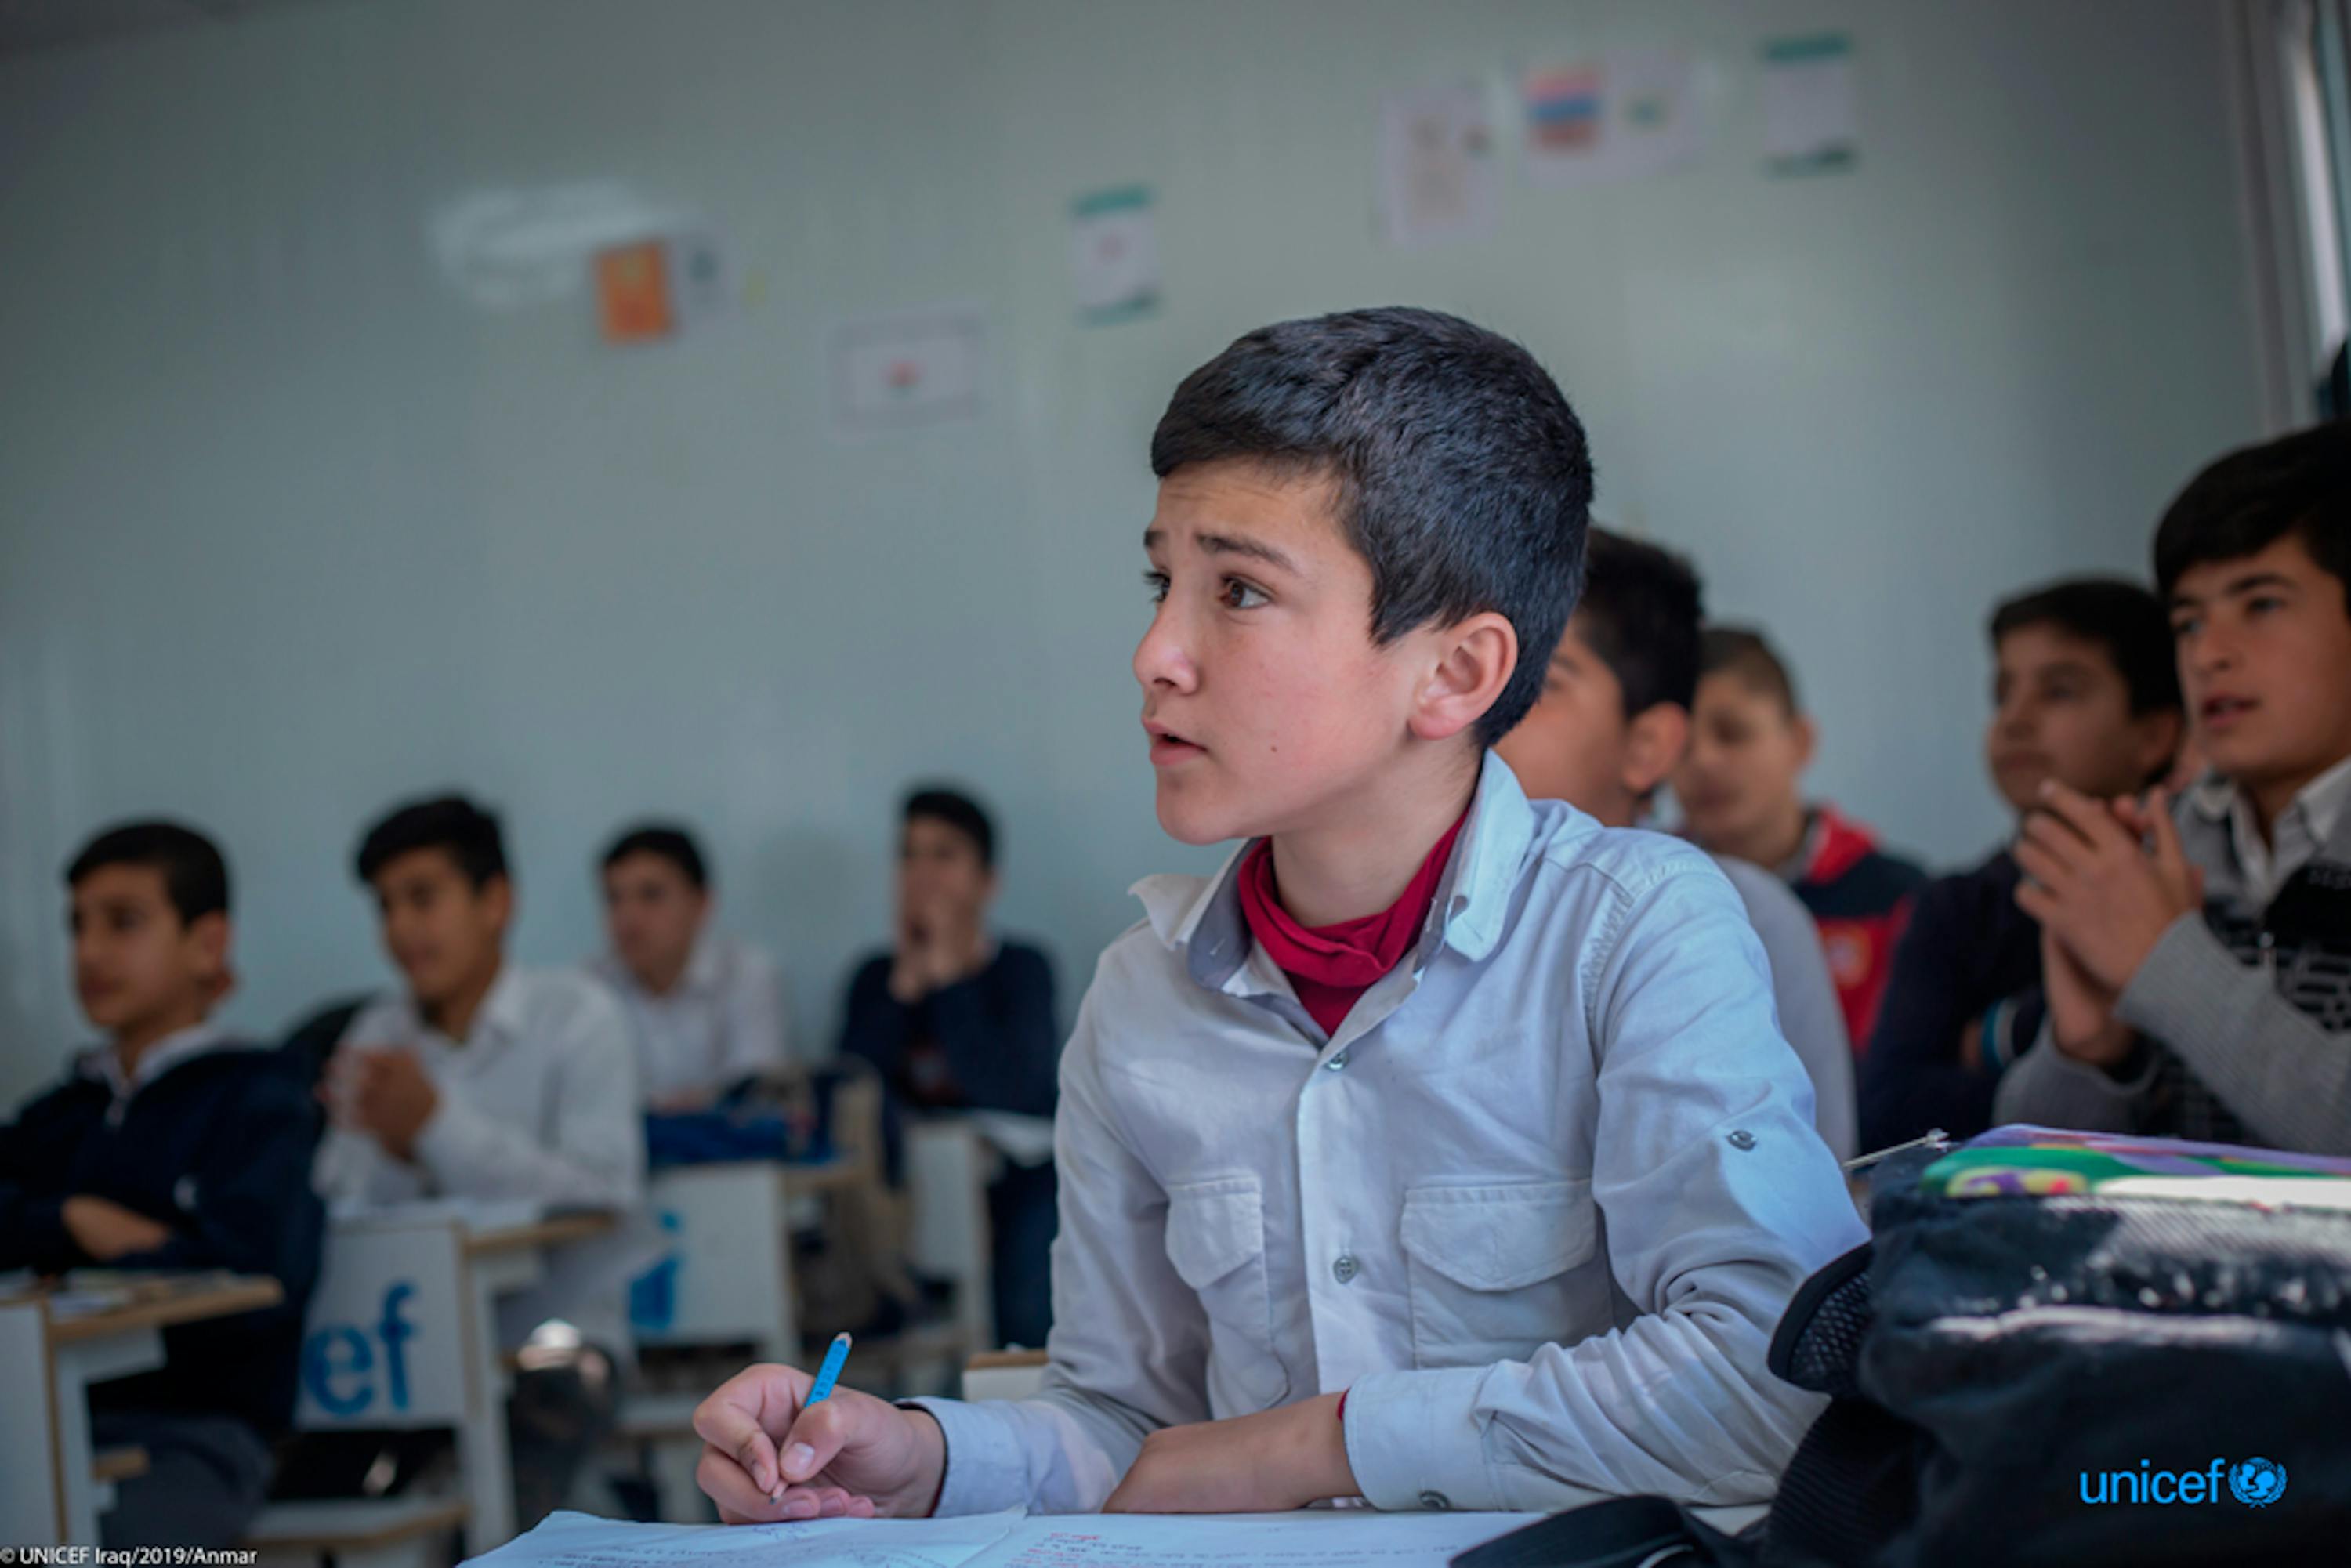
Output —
(245, 1294)
(449, 1515)
(541, 1233)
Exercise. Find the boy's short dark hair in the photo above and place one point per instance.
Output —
(196, 877)
(959, 811)
(1640, 615)
(1742, 650)
(2245, 502)
(2121, 617)
(668, 842)
(469, 834)
(1463, 475)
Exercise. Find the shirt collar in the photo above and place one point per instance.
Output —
(2322, 801)
(179, 1046)
(702, 969)
(504, 1009)
(502, 1014)
(2216, 798)
(1203, 915)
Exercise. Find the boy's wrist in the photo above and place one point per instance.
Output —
(1326, 1448)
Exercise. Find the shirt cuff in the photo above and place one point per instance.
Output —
(2048, 1088)
(1417, 1440)
(986, 1470)
(2177, 979)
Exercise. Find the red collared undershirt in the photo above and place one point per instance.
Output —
(1331, 966)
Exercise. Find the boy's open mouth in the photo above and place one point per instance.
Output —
(2219, 711)
(1168, 747)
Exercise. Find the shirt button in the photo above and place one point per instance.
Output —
(1344, 1269)
(1337, 1062)
(1742, 1139)
(1434, 1500)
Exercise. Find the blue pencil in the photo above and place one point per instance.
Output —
(826, 1377)
(829, 1373)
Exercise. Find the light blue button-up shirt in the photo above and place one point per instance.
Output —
(1539, 1203)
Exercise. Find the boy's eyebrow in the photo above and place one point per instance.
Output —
(1227, 544)
(2244, 584)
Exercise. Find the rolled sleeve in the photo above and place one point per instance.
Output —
(986, 1462)
(1415, 1439)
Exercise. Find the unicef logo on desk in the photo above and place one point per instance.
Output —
(2257, 1482)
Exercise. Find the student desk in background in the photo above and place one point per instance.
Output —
(53, 1346)
(403, 1330)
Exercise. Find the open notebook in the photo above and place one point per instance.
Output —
(1313, 1538)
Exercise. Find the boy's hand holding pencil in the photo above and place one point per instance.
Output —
(780, 1443)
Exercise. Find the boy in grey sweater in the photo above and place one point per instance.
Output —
(2196, 953)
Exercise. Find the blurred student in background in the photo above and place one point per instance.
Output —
(1741, 794)
(955, 1018)
(2086, 692)
(173, 1145)
(1612, 721)
(481, 1080)
(2196, 954)
(707, 1009)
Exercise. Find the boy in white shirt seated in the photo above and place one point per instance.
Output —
(1441, 1148)
(480, 1080)
(706, 1008)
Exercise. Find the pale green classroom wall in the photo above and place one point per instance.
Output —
(289, 530)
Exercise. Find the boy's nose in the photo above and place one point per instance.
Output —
(1160, 659)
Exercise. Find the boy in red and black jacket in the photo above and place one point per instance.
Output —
(1739, 790)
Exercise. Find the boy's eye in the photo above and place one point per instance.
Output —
(1239, 595)
(1156, 582)
(2183, 625)
(2263, 604)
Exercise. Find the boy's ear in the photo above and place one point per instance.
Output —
(2157, 735)
(208, 940)
(1808, 736)
(1653, 744)
(497, 900)
(1475, 660)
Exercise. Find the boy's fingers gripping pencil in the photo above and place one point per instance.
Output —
(821, 1390)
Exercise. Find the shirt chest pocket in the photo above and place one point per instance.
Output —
(1215, 1240)
(1496, 1271)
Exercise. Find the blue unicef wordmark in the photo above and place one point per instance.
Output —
(2255, 1482)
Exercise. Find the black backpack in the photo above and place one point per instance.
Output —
(2023, 1380)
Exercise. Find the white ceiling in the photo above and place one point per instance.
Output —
(28, 25)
